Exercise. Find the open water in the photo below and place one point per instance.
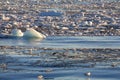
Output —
(19, 69)
(66, 42)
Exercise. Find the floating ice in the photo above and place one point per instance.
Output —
(31, 33)
(17, 33)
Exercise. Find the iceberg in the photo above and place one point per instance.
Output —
(29, 33)
(32, 33)
(17, 33)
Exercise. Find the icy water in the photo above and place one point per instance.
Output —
(67, 42)
(22, 66)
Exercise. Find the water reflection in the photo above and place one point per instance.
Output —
(32, 41)
(66, 42)
(88, 79)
